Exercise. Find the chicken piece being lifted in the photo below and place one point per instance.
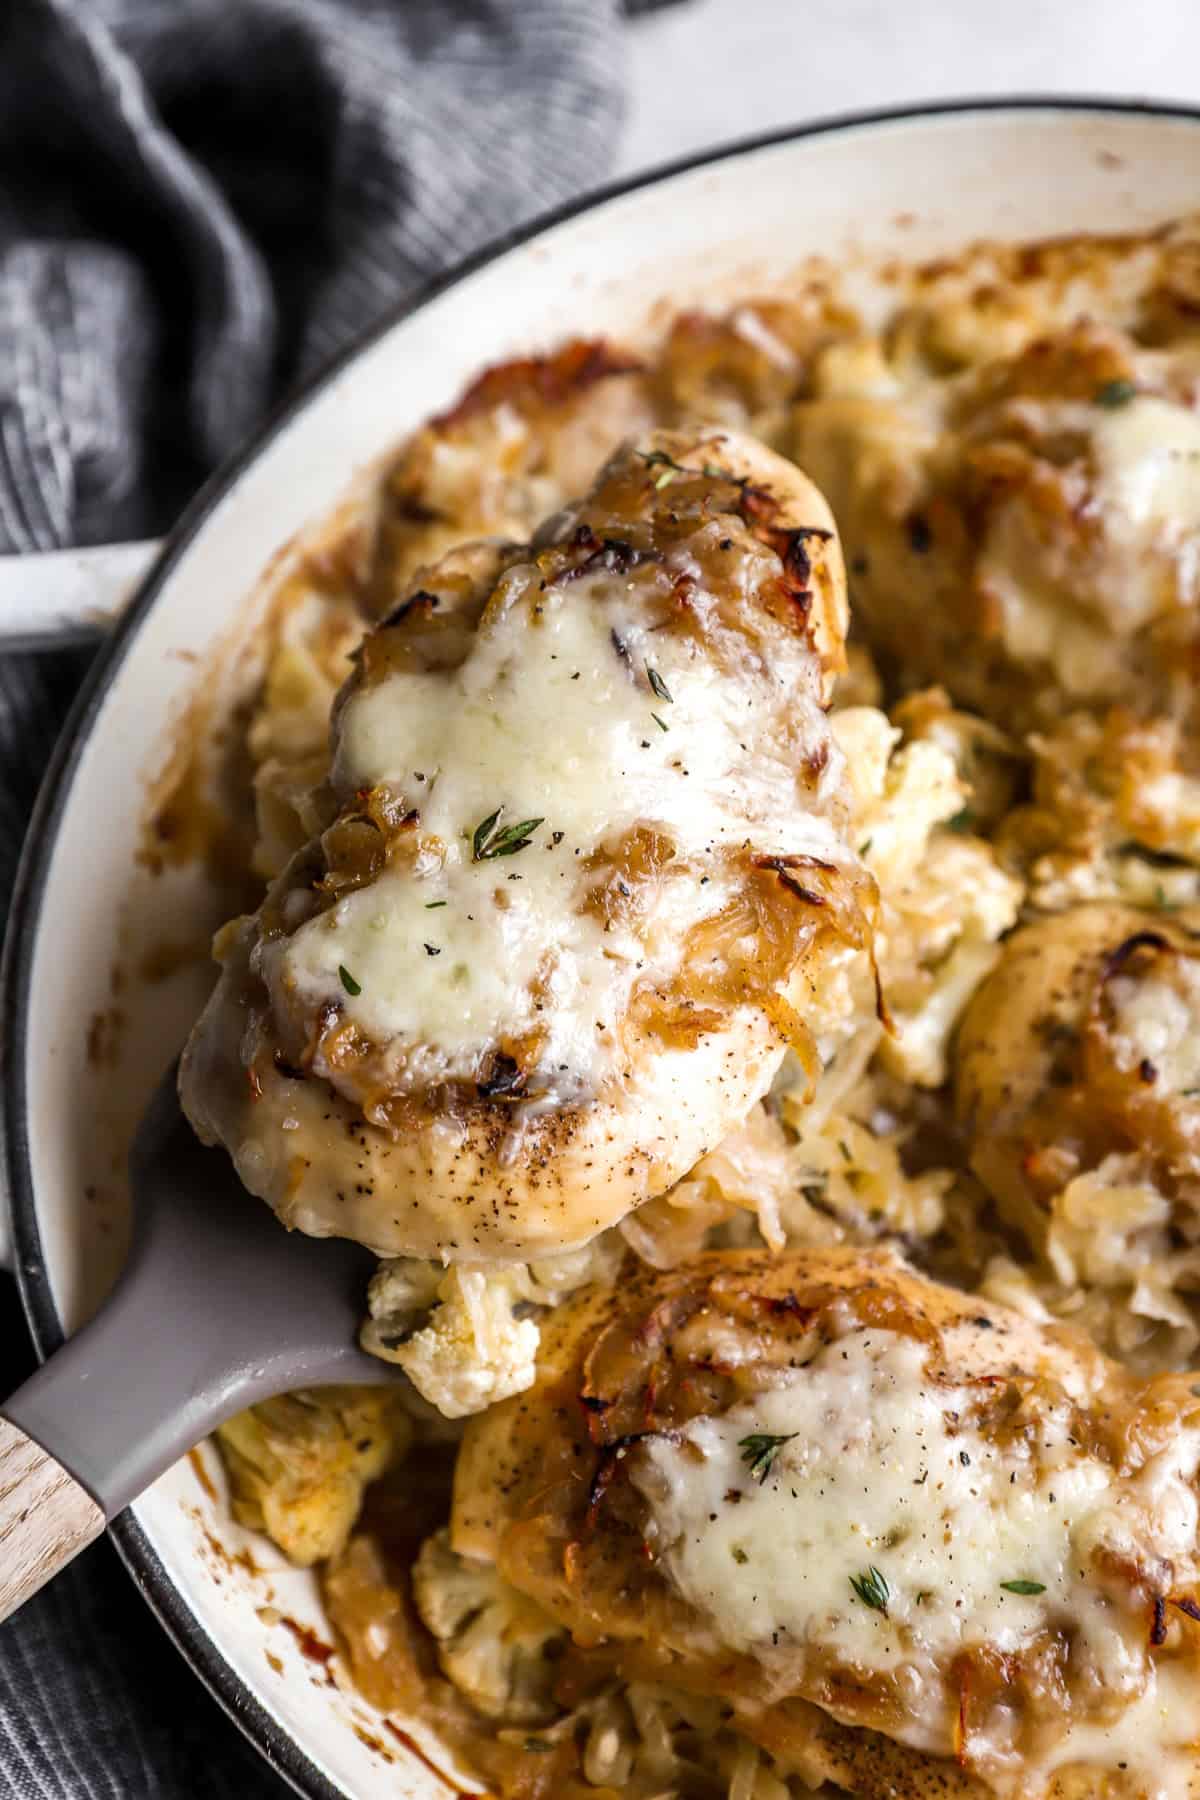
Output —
(583, 872)
(917, 1544)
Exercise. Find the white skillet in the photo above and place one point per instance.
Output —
(909, 185)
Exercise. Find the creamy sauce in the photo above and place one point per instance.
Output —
(882, 1471)
(552, 717)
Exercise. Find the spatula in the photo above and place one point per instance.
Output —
(218, 1307)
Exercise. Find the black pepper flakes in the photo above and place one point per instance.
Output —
(920, 536)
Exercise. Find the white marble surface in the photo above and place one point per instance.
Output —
(711, 70)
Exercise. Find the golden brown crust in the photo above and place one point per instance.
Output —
(1047, 1084)
(543, 1487)
(711, 540)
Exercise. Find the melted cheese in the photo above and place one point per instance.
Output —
(1036, 625)
(552, 717)
(1155, 1021)
(1155, 1743)
(882, 1471)
(1144, 496)
(1147, 454)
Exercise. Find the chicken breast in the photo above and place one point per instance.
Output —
(1077, 1085)
(582, 868)
(917, 1545)
(1082, 1044)
(1024, 530)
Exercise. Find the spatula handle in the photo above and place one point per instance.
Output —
(46, 1517)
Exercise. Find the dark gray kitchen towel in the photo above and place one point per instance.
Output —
(200, 200)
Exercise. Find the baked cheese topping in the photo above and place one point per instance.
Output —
(887, 1533)
(1141, 499)
(1147, 455)
(578, 864)
(574, 717)
(1155, 1740)
(1156, 1024)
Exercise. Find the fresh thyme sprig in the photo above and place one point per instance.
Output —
(872, 1589)
(759, 1451)
(487, 841)
(658, 459)
(1115, 393)
(658, 685)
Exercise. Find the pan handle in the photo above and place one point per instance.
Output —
(63, 597)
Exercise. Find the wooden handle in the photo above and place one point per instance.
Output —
(46, 1518)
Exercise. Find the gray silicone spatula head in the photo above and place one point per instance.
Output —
(218, 1306)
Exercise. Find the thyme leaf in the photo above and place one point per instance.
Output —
(347, 980)
(662, 725)
(482, 834)
(872, 1589)
(659, 685)
(658, 459)
(512, 838)
(487, 842)
(1115, 393)
(1023, 1587)
(759, 1451)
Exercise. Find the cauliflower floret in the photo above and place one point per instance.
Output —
(402, 1288)
(463, 1335)
(945, 900)
(899, 794)
(988, 762)
(499, 1649)
(298, 1464)
(473, 1351)
(941, 938)
(549, 1280)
